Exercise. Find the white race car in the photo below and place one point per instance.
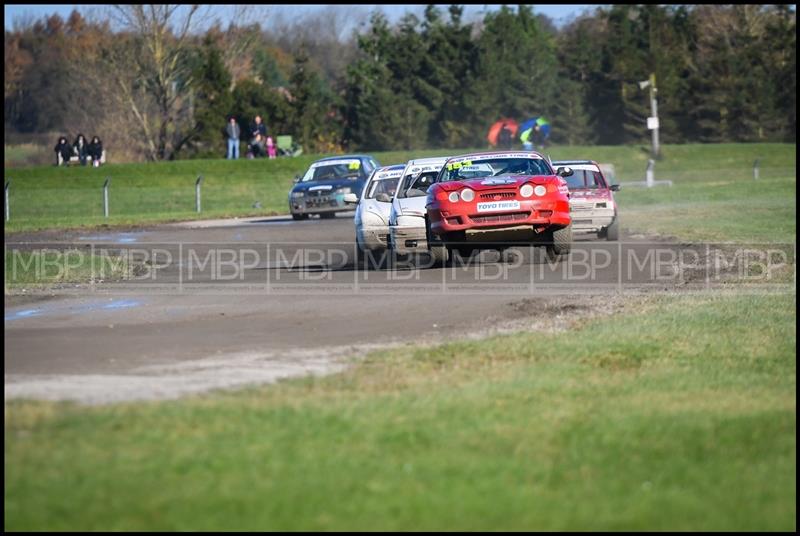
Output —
(407, 218)
(372, 212)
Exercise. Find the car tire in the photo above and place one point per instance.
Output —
(298, 217)
(437, 250)
(612, 231)
(559, 243)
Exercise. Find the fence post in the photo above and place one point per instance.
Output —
(197, 192)
(755, 168)
(105, 197)
(650, 173)
(7, 204)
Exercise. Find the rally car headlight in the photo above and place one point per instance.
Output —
(540, 190)
(453, 197)
(467, 195)
(345, 190)
(297, 194)
(526, 190)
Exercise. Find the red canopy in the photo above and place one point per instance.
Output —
(495, 129)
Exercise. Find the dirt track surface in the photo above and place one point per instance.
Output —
(289, 309)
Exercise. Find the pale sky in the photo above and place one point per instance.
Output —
(560, 13)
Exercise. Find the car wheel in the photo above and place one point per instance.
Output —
(437, 250)
(298, 217)
(612, 231)
(559, 243)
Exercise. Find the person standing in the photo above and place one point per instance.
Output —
(234, 132)
(96, 151)
(63, 151)
(271, 149)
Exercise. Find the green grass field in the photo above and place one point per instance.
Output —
(710, 182)
(677, 415)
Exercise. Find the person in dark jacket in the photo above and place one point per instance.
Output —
(63, 151)
(258, 128)
(81, 148)
(96, 151)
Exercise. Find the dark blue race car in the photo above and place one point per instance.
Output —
(322, 188)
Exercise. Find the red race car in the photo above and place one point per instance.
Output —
(489, 200)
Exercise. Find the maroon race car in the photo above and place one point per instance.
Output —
(495, 200)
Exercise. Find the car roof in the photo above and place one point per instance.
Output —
(575, 162)
(498, 153)
(428, 161)
(344, 156)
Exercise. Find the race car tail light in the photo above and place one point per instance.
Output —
(453, 197)
(541, 190)
(467, 195)
(526, 190)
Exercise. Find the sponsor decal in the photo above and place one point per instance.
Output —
(323, 187)
(498, 206)
(349, 162)
(498, 181)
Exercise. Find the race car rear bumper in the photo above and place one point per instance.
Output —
(592, 221)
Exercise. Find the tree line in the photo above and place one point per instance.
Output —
(160, 88)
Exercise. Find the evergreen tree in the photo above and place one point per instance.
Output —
(212, 101)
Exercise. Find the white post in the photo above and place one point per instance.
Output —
(650, 173)
(197, 192)
(8, 205)
(755, 168)
(105, 197)
(654, 112)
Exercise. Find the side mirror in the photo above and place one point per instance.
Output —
(297, 178)
(383, 198)
(564, 171)
(350, 199)
(615, 187)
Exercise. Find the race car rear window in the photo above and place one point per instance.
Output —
(584, 178)
(493, 168)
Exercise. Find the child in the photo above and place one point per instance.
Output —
(271, 147)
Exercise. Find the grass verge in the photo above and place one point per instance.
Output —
(677, 415)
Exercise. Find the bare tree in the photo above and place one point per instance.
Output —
(149, 72)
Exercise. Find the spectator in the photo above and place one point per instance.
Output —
(541, 131)
(81, 148)
(271, 149)
(505, 138)
(257, 147)
(258, 127)
(233, 132)
(63, 151)
(96, 151)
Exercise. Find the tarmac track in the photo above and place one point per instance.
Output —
(289, 301)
